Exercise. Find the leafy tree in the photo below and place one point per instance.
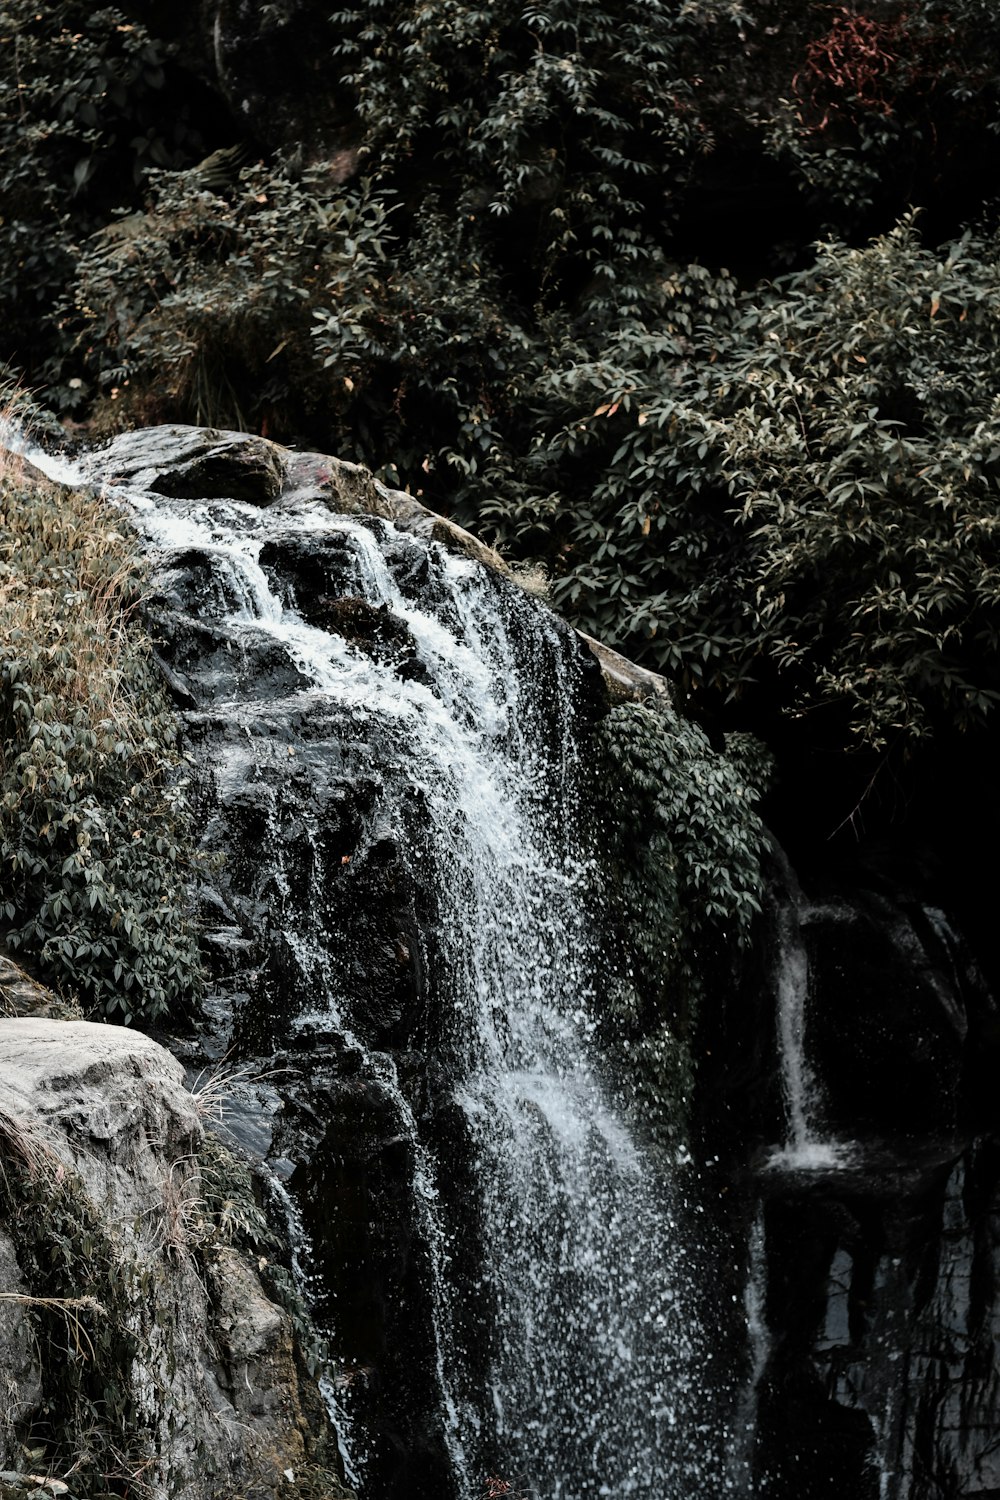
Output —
(682, 856)
(795, 484)
(86, 109)
(481, 288)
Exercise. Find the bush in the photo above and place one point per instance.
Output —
(94, 832)
(888, 107)
(204, 303)
(489, 314)
(793, 486)
(682, 848)
(86, 114)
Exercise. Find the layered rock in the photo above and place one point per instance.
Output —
(864, 1175)
(102, 1146)
(200, 463)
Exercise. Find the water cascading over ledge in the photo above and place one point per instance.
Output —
(405, 937)
(388, 745)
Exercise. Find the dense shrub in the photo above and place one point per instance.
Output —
(85, 111)
(887, 106)
(202, 306)
(796, 484)
(93, 827)
(479, 281)
(682, 851)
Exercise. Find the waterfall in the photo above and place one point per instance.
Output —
(406, 939)
(300, 1253)
(808, 1147)
(575, 1365)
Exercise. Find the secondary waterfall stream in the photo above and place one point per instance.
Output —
(571, 1365)
(808, 1144)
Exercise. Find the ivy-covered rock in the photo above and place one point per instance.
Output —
(682, 855)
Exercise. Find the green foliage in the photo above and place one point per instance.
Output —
(471, 289)
(794, 485)
(683, 849)
(272, 303)
(93, 826)
(230, 1203)
(207, 299)
(877, 101)
(83, 116)
(574, 118)
(526, 163)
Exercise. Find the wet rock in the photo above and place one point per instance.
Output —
(216, 663)
(890, 994)
(375, 631)
(878, 1364)
(884, 1300)
(205, 463)
(194, 462)
(303, 568)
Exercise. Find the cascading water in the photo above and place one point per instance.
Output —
(406, 935)
(572, 1364)
(759, 1341)
(807, 1147)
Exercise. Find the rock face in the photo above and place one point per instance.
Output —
(352, 694)
(20, 1391)
(201, 463)
(847, 1093)
(99, 1136)
(857, 1106)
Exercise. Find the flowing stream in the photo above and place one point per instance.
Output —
(406, 937)
(575, 1364)
(808, 1145)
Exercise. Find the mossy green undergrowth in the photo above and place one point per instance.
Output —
(94, 831)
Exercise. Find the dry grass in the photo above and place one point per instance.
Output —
(70, 1308)
(68, 578)
(212, 1088)
(68, 587)
(11, 462)
(32, 1158)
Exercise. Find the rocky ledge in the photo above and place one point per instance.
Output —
(199, 463)
(126, 1299)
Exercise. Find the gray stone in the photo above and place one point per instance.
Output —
(198, 463)
(20, 1389)
(216, 1381)
(203, 463)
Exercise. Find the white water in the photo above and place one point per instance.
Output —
(60, 470)
(808, 1146)
(583, 1373)
(585, 1370)
(301, 1252)
(759, 1345)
